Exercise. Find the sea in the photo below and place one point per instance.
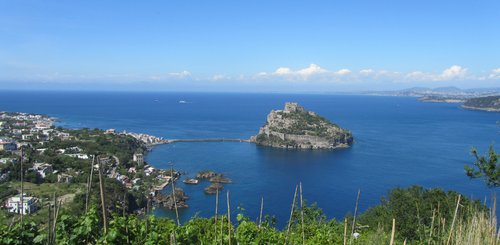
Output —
(399, 142)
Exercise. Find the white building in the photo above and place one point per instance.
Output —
(27, 136)
(28, 205)
(64, 178)
(7, 145)
(43, 168)
(6, 160)
(139, 159)
(63, 136)
(79, 156)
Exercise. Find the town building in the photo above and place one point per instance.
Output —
(64, 178)
(43, 168)
(110, 131)
(27, 137)
(7, 145)
(139, 159)
(28, 205)
(6, 160)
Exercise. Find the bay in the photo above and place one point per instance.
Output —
(398, 142)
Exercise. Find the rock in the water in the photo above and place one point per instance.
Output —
(206, 174)
(219, 178)
(168, 200)
(296, 128)
(212, 189)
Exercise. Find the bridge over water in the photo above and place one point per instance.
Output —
(206, 140)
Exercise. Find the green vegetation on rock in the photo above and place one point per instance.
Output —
(294, 127)
(488, 103)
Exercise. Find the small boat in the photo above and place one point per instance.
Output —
(190, 181)
(182, 102)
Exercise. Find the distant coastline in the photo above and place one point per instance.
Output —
(472, 99)
(481, 109)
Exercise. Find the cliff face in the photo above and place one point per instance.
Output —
(296, 128)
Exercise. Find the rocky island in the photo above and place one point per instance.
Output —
(296, 128)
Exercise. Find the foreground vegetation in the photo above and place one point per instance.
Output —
(421, 216)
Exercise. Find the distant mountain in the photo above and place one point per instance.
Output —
(448, 90)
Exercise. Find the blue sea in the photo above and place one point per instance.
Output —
(399, 142)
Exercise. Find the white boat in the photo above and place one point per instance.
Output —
(191, 181)
(182, 102)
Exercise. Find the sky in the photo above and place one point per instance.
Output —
(255, 46)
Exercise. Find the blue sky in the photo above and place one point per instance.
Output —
(249, 45)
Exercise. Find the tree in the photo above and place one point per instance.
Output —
(486, 166)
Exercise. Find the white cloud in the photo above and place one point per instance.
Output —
(304, 73)
(343, 72)
(313, 69)
(418, 76)
(181, 74)
(453, 72)
(495, 74)
(366, 71)
(283, 71)
(219, 77)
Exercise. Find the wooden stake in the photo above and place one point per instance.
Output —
(216, 211)
(103, 202)
(89, 184)
(22, 188)
(124, 204)
(432, 226)
(221, 228)
(174, 238)
(261, 208)
(453, 221)
(393, 231)
(173, 195)
(493, 215)
(302, 214)
(49, 230)
(291, 214)
(55, 220)
(354, 218)
(229, 217)
(345, 231)
(54, 217)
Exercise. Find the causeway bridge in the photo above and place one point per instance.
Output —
(168, 141)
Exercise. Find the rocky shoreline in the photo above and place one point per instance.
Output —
(481, 109)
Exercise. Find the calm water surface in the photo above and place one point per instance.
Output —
(398, 142)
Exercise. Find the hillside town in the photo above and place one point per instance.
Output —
(58, 165)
